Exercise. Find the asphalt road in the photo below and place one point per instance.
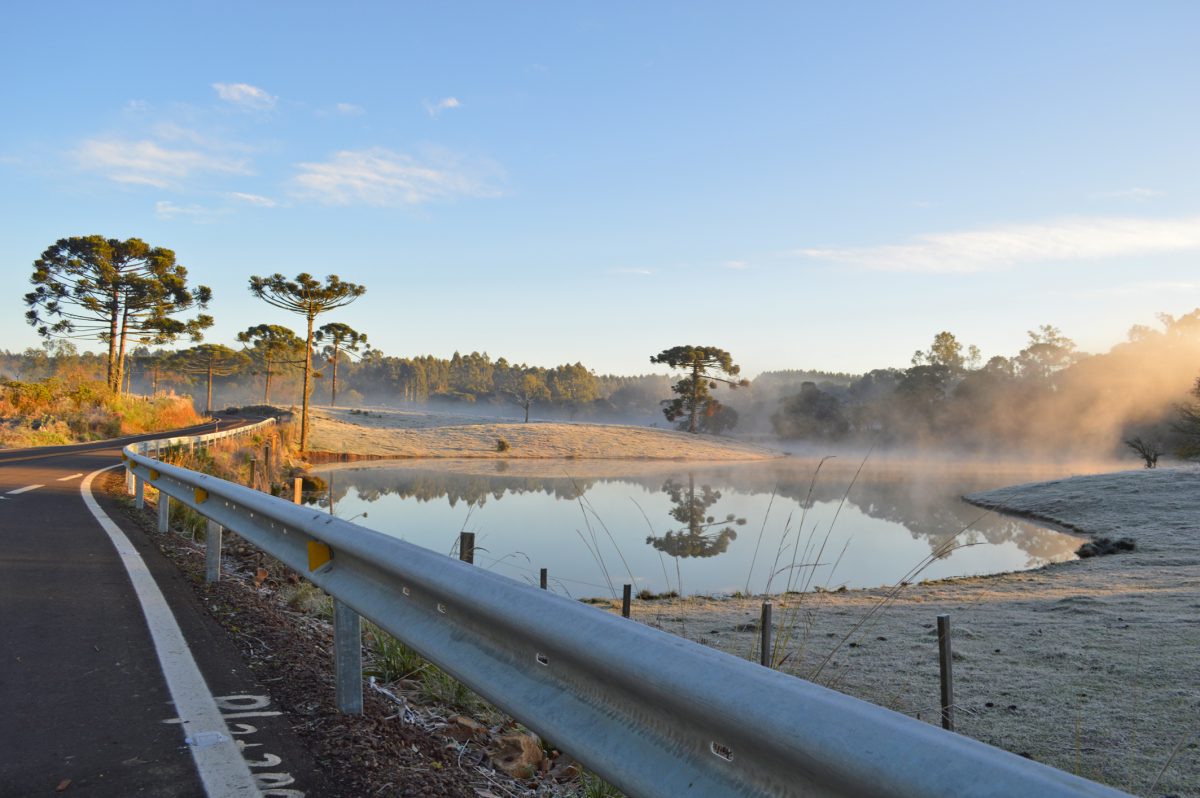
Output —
(86, 708)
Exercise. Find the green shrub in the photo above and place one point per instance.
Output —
(439, 686)
(592, 786)
(389, 659)
(308, 598)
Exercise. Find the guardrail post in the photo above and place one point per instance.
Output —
(139, 492)
(544, 579)
(347, 659)
(764, 631)
(945, 660)
(466, 547)
(626, 600)
(129, 480)
(164, 511)
(212, 552)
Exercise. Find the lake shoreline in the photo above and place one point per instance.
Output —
(403, 434)
(1061, 663)
(909, 512)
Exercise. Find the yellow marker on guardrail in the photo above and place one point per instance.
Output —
(153, 475)
(319, 554)
(201, 495)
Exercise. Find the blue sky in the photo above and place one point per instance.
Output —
(806, 185)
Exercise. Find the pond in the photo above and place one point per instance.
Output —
(791, 524)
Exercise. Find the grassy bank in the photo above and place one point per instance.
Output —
(387, 432)
(53, 412)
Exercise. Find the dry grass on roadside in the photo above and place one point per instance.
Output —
(55, 412)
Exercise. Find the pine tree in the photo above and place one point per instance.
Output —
(343, 339)
(307, 296)
(116, 291)
(272, 345)
(707, 367)
(209, 361)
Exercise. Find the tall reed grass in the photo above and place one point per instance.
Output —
(792, 584)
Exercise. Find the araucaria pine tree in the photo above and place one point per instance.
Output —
(209, 361)
(309, 297)
(707, 367)
(270, 346)
(117, 291)
(339, 339)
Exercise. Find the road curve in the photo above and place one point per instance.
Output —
(86, 705)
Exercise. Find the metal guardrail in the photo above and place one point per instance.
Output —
(161, 445)
(651, 713)
(191, 442)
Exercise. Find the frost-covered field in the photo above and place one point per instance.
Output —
(400, 433)
(1092, 666)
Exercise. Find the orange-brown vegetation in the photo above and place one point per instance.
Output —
(54, 411)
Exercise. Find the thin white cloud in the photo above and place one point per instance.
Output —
(254, 199)
(149, 163)
(384, 178)
(634, 271)
(341, 109)
(736, 265)
(1135, 194)
(443, 104)
(1172, 288)
(169, 131)
(245, 96)
(165, 209)
(1073, 239)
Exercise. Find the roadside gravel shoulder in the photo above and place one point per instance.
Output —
(373, 754)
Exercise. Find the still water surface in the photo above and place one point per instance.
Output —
(706, 529)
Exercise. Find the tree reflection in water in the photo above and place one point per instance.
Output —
(915, 500)
(699, 536)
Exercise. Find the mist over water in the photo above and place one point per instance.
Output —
(708, 529)
(1046, 402)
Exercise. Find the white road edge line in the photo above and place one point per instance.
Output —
(222, 768)
(64, 479)
(25, 489)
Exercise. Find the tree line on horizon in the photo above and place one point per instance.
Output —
(1049, 397)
